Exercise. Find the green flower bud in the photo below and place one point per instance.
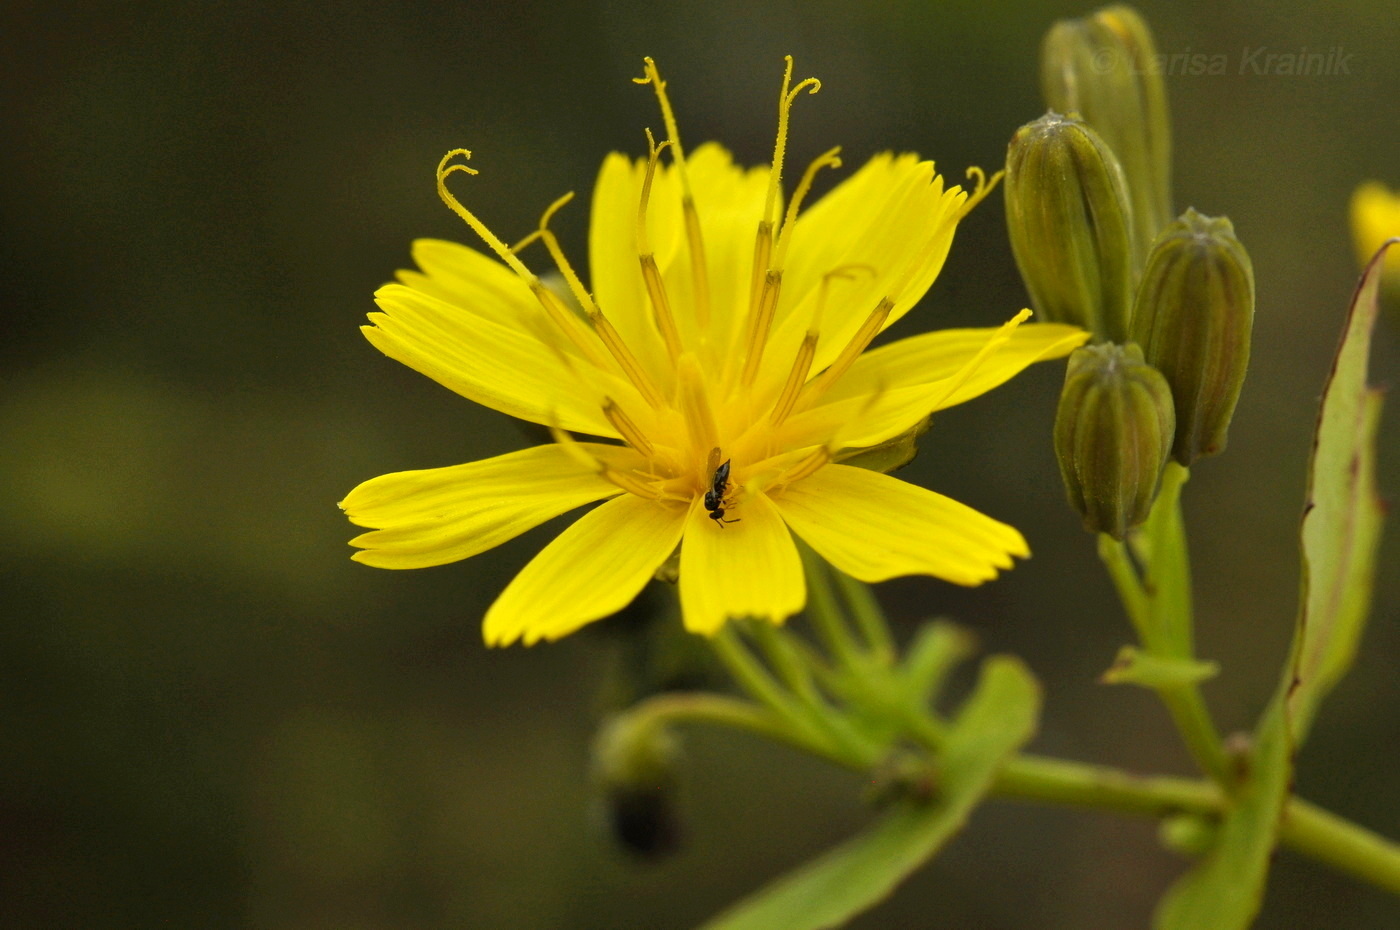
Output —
(1070, 225)
(634, 771)
(1193, 316)
(1113, 433)
(1191, 835)
(1105, 68)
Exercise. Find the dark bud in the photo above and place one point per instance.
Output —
(634, 771)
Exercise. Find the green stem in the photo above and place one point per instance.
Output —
(1197, 729)
(1306, 829)
(870, 619)
(1162, 619)
(812, 725)
(788, 663)
(826, 617)
(717, 710)
(1341, 844)
(1136, 605)
(791, 665)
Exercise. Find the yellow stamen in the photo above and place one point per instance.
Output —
(693, 400)
(553, 306)
(828, 159)
(656, 287)
(801, 366)
(759, 325)
(785, 100)
(840, 272)
(444, 171)
(575, 450)
(767, 275)
(858, 344)
(568, 322)
(627, 429)
(807, 466)
(698, 267)
(762, 252)
(628, 362)
(981, 190)
(604, 330)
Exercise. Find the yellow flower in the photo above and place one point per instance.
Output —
(1375, 217)
(724, 337)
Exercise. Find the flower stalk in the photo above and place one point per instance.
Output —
(773, 711)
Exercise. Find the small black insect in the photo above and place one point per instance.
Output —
(715, 501)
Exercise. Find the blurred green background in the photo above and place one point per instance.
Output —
(212, 717)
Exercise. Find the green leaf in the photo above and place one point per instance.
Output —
(1132, 666)
(997, 719)
(1225, 889)
(888, 456)
(1342, 517)
(1341, 530)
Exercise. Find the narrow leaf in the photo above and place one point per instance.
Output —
(1342, 517)
(1225, 889)
(1341, 529)
(997, 719)
(1132, 666)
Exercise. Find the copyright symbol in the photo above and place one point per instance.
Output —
(1103, 61)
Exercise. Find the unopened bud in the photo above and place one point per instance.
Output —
(1113, 433)
(1193, 316)
(1191, 835)
(1070, 224)
(634, 770)
(1105, 68)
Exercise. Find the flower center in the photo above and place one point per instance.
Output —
(717, 412)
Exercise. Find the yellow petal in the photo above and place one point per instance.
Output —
(749, 568)
(873, 527)
(505, 368)
(613, 259)
(729, 200)
(473, 280)
(931, 357)
(891, 225)
(884, 393)
(439, 515)
(591, 570)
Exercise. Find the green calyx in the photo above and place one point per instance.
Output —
(1070, 224)
(1193, 317)
(1105, 69)
(1113, 434)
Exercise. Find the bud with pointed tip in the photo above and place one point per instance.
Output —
(1193, 317)
(1070, 224)
(1105, 68)
(1113, 433)
(634, 769)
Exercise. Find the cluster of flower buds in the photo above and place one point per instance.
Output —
(1104, 67)
(1171, 303)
